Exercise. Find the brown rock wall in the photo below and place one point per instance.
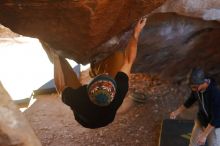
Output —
(14, 128)
(73, 28)
(170, 44)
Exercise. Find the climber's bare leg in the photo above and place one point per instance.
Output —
(111, 65)
(115, 63)
(64, 76)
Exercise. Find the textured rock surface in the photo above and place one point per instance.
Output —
(14, 128)
(86, 31)
(205, 9)
(5, 32)
(75, 28)
(170, 45)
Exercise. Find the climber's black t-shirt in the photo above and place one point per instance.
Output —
(90, 115)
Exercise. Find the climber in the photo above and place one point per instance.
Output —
(95, 105)
(207, 123)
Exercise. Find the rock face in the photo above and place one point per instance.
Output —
(177, 37)
(5, 32)
(74, 28)
(205, 9)
(14, 128)
(171, 44)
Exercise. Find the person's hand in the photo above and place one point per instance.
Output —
(203, 86)
(201, 139)
(139, 26)
(173, 115)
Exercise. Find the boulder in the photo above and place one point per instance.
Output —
(74, 28)
(204, 9)
(179, 34)
(15, 130)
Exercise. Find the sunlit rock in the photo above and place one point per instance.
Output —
(74, 28)
(14, 128)
(89, 31)
(6, 33)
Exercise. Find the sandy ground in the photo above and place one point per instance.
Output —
(136, 124)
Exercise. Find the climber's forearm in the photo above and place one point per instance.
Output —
(131, 50)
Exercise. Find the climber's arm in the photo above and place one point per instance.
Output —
(130, 52)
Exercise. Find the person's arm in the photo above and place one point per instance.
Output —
(188, 103)
(131, 49)
(175, 113)
(215, 114)
(203, 136)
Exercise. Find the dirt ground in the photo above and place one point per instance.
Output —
(136, 124)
